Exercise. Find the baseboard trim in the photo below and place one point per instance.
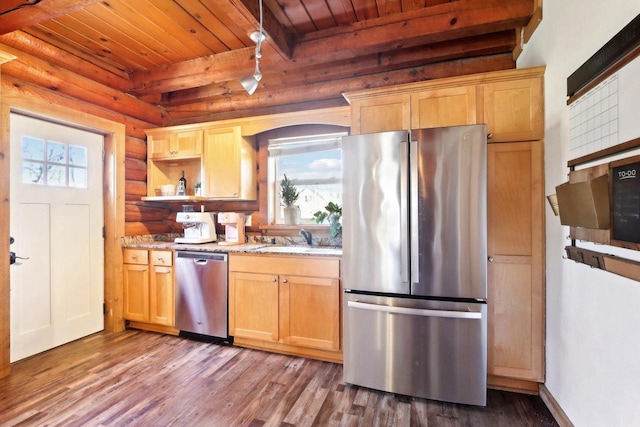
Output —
(512, 384)
(554, 407)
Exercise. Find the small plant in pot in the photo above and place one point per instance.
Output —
(289, 194)
(332, 212)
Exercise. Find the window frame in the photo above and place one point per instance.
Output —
(263, 175)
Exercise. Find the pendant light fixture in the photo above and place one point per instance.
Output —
(250, 83)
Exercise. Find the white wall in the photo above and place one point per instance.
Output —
(593, 317)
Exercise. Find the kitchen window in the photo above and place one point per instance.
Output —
(313, 164)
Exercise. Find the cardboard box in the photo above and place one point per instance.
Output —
(585, 204)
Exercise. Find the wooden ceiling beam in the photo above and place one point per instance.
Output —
(464, 18)
(280, 40)
(45, 10)
(39, 72)
(69, 60)
(502, 42)
(458, 19)
(202, 111)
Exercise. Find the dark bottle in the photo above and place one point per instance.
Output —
(182, 186)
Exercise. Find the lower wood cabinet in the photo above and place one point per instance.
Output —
(289, 304)
(148, 289)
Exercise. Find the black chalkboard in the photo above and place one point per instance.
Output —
(626, 202)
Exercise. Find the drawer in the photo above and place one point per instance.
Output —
(298, 265)
(162, 258)
(136, 256)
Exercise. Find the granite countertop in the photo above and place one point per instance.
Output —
(165, 242)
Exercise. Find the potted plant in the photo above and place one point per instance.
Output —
(332, 212)
(289, 195)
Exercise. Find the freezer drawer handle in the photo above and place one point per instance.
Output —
(416, 311)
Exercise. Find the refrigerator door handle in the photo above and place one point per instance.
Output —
(416, 311)
(404, 212)
(413, 188)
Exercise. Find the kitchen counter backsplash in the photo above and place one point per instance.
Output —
(149, 238)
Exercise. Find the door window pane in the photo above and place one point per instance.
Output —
(56, 175)
(56, 152)
(78, 177)
(77, 155)
(33, 148)
(33, 172)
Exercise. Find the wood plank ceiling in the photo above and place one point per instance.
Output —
(187, 56)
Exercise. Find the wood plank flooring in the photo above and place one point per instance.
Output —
(137, 378)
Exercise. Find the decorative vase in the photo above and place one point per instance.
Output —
(291, 215)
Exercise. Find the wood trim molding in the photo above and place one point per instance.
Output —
(5, 318)
(553, 406)
(471, 79)
(340, 116)
(113, 191)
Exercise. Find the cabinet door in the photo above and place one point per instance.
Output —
(253, 306)
(161, 296)
(310, 312)
(222, 162)
(175, 144)
(513, 110)
(516, 261)
(381, 114)
(444, 107)
(188, 143)
(136, 292)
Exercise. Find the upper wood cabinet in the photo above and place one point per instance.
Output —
(229, 164)
(378, 114)
(219, 158)
(444, 107)
(510, 103)
(512, 109)
(174, 145)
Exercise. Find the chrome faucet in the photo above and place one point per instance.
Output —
(307, 236)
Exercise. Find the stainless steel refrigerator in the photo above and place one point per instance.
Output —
(415, 262)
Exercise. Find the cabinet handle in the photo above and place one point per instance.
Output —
(163, 272)
(274, 280)
(489, 135)
(490, 259)
(284, 280)
(160, 258)
(134, 256)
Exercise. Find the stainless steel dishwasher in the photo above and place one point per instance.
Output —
(201, 293)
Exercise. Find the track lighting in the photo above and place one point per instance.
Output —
(250, 83)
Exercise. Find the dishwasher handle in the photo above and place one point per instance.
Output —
(201, 258)
(416, 311)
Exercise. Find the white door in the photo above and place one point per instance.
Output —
(56, 218)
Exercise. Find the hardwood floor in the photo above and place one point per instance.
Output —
(139, 378)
